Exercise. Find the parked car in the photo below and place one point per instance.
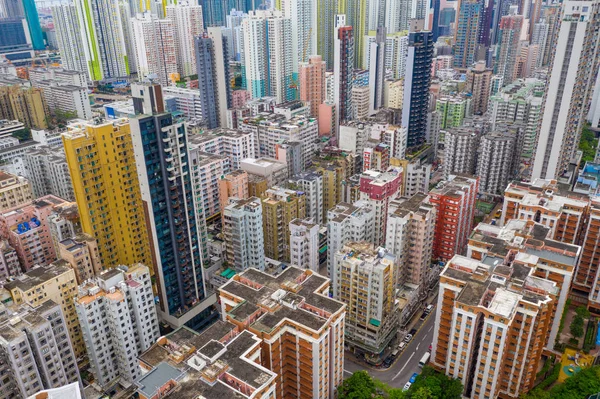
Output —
(406, 386)
(402, 345)
(408, 338)
(387, 362)
(430, 348)
(413, 378)
(424, 315)
(413, 331)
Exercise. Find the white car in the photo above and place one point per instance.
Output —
(408, 338)
(406, 386)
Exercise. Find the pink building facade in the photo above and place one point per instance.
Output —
(27, 231)
(311, 76)
(239, 98)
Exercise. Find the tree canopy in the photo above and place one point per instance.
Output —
(429, 385)
(581, 385)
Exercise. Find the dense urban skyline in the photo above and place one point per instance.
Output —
(264, 199)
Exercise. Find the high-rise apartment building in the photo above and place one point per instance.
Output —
(206, 171)
(27, 230)
(452, 110)
(566, 102)
(234, 144)
(68, 35)
(325, 32)
(118, 320)
(396, 49)
(280, 206)
(55, 282)
(233, 185)
(369, 272)
(466, 35)
(343, 69)
(243, 233)
(303, 324)
(496, 162)
(9, 262)
(213, 77)
(379, 188)
(454, 200)
(508, 46)
(311, 79)
(479, 79)
(81, 252)
(520, 103)
(14, 191)
(35, 350)
(47, 170)
(107, 190)
(268, 56)
(303, 17)
(304, 244)
(176, 221)
(460, 150)
(269, 129)
(188, 24)
(27, 105)
(416, 87)
(409, 235)
(500, 307)
(101, 31)
(397, 15)
(311, 182)
(155, 48)
(377, 70)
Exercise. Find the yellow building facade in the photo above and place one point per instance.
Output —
(107, 191)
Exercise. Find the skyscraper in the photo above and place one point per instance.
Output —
(356, 13)
(68, 35)
(33, 22)
(479, 80)
(303, 17)
(416, 87)
(397, 15)
(268, 55)
(176, 222)
(155, 50)
(213, 12)
(312, 83)
(243, 234)
(343, 67)
(104, 45)
(508, 46)
(377, 71)
(188, 24)
(107, 192)
(466, 36)
(326, 12)
(572, 77)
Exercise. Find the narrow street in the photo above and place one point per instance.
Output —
(407, 362)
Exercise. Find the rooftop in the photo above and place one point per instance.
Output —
(37, 276)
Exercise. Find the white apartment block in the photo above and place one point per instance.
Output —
(59, 75)
(155, 48)
(304, 244)
(234, 144)
(188, 24)
(69, 39)
(460, 150)
(118, 319)
(348, 223)
(396, 51)
(64, 90)
(35, 349)
(187, 100)
(570, 85)
(520, 102)
(360, 101)
(274, 171)
(270, 129)
(409, 235)
(243, 234)
(206, 171)
(268, 55)
(303, 16)
(47, 170)
(311, 182)
(395, 137)
(496, 161)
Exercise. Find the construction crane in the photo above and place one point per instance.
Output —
(294, 84)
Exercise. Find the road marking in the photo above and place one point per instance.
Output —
(349, 372)
(418, 346)
(430, 328)
(403, 367)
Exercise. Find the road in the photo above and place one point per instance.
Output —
(408, 360)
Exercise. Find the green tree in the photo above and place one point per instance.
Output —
(577, 326)
(536, 394)
(587, 144)
(583, 312)
(359, 386)
(422, 393)
(439, 385)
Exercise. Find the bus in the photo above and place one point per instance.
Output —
(424, 359)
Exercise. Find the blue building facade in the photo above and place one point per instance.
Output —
(33, 21)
